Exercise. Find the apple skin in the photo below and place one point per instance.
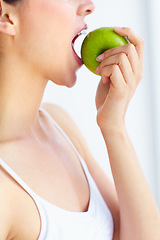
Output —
(97, 42)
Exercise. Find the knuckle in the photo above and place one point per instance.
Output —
(115, 68)
(122, 57)
(130, 47)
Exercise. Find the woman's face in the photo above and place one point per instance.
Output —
(45, 33)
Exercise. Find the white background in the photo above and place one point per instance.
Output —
(142, 116)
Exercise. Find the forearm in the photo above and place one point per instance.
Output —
(139, 217)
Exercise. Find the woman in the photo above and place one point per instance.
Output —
(50, 185)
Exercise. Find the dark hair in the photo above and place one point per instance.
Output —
(16, 3)
(11, 1)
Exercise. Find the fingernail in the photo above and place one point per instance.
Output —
(100, 57)
(97, 69)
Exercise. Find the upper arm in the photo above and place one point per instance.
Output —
(105, 185)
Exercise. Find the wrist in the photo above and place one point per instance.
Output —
(113, 130)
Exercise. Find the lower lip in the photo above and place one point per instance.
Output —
(77, 58)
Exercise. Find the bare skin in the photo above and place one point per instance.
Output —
(41, 181)
(28, 137)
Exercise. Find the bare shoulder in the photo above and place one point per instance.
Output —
(6, 219)
(104, 184)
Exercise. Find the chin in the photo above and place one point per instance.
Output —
(71, 81)
(68, 81)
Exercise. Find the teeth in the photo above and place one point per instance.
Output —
(83, 32)
(78, 42)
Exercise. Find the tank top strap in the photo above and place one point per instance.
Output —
(91, 183)
(31, 194)
(16, 177)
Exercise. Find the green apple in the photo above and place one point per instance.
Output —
(97, 42)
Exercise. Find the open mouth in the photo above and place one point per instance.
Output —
(76, 45)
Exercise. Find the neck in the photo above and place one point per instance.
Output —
(21, 93)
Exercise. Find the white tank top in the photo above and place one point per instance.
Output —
(60, 224)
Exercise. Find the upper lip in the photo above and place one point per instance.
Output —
(85, 27)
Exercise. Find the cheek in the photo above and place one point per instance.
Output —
(47, 26)
(47, 19)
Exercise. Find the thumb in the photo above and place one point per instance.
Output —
(102, 93)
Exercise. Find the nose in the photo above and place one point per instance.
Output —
(85, 8)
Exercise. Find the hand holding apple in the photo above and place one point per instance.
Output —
(121, 71)
(97, 42)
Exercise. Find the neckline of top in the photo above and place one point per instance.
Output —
(84, 167)
(35, 196)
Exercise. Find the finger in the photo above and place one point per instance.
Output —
(130, 52)
(133, 38)
(114, 74)
(122, 61)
